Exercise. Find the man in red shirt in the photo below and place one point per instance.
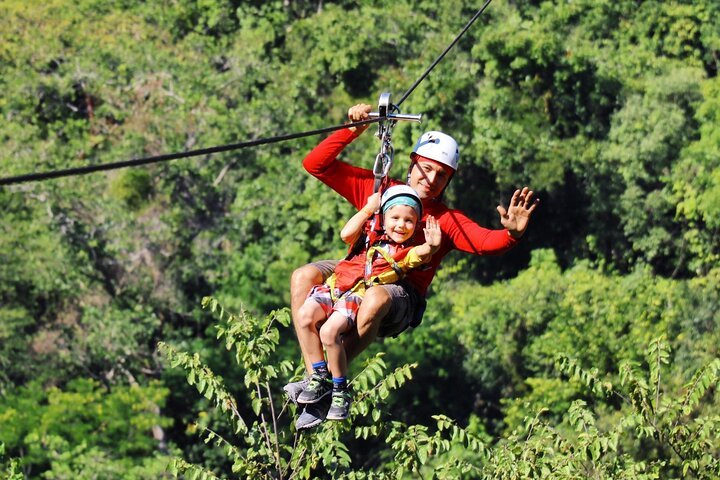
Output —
(387, 310)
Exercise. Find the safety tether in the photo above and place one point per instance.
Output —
(388, 115)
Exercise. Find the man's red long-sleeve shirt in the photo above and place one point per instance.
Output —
(356, 184)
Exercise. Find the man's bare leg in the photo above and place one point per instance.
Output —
(301, 282)
(375, 305)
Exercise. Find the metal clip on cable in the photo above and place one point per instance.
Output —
(389, 115)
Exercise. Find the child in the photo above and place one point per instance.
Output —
(339, 298)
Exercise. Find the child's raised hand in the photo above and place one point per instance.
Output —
(432, 232)
(373, 203)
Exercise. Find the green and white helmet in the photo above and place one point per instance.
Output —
(438, 146)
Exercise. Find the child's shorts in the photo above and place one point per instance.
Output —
(347, 305)
(406, 310)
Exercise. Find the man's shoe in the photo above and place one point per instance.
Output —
(318, 386)
(313, 414)
(340, 405)
(294, 389)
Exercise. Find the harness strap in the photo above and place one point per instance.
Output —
(374, 230)
(359, 288)
(369, 282)
(397, 271)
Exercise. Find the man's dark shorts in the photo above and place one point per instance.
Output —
(407, 307)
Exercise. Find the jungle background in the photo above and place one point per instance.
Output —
(589, 351)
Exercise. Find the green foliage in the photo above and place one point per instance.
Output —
(608, 109)
(593, 328)
(9, 467)
(591, 102)
(85, 429)
(132, 187)
(696, 186)
(266, 446)
(582, 447)
(576, 445)
(676, 423)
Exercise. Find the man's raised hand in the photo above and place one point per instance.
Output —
(517, 216)
(358, 113)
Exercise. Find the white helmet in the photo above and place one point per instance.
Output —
(401, 195)
(438, 146)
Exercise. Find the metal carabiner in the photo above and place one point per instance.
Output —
(383, 162)
(381, 168)
(389, 115)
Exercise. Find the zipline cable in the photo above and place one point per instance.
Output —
(32, 177)
(442, 55)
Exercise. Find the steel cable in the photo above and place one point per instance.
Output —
(39, 176)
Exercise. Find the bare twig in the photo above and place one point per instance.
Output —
(300, 457)
(275, 429)
(223, 172)
(266, 434)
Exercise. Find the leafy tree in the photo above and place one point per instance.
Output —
(576, 445)
(85, 429)
(270, 449)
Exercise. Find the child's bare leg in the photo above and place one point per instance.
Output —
(330, 335)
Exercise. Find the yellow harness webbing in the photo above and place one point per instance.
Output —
(396, 272)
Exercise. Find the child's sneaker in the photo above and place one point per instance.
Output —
(317, 388)
(294, 389)
(340, 406)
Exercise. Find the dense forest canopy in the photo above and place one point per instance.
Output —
(589, 351)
